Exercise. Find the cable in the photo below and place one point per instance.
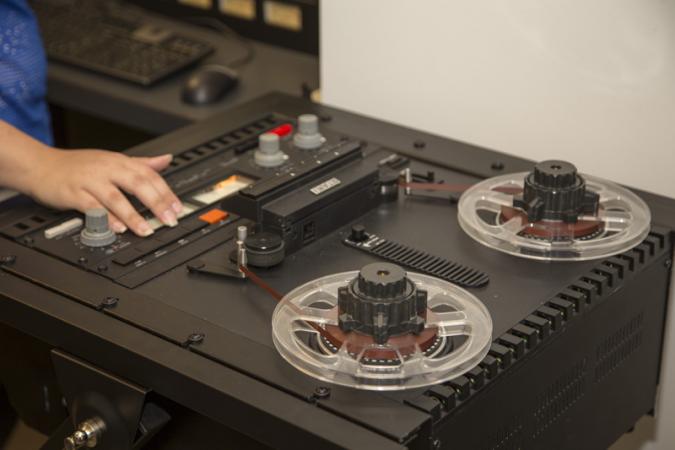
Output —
(217, 24)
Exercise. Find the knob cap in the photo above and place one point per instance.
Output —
(308, 136)
(381, 302)
(555, 191)
(97, 232)
(358, 233)
(269, 152)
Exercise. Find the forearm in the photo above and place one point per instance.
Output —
(20, 158)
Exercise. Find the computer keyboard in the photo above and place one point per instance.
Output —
(115, 39)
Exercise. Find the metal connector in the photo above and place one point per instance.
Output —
(88, 434)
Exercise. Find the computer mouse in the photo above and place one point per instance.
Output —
(209, 84)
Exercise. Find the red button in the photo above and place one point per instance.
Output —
(282, 130)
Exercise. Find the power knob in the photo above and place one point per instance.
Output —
(269, 152)
(97, 232)
(308, 136)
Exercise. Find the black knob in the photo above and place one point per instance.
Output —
(382, 302)
(555, 174)
(263, 249)
(382, 281)
(389, 183)
(358, 234)
(555, 191)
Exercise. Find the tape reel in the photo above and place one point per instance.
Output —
(309, 332)
(619, 220)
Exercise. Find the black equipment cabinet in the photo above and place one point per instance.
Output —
(574, 364)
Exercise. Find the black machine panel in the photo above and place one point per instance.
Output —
(567, 338)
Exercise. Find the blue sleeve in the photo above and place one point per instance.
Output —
(23, 71)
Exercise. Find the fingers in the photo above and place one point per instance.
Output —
(116, 224)
(156, 163)
(119, 207)
(140, 181)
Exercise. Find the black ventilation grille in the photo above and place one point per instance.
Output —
(421, 261)
(507, 437)
(558, 397)
(617, 347)
(578, 298)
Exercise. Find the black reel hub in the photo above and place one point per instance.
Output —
(555, 191)
(382, 302)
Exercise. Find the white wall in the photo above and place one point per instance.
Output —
(593, 81)
(588, 81)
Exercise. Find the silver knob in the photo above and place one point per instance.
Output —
(97, 232)
(269, 152)
(242, 233)
(242, 257)
(88, 434)
(308, 136)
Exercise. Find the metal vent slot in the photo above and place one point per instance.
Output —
(556, 400)
(421, 261)
(507, 437)
(617, 347)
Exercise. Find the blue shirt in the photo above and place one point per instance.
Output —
(23, 71)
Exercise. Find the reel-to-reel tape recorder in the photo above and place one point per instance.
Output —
(383, 288)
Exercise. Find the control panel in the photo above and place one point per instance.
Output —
(287, 181)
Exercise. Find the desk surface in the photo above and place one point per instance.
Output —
(159, 109)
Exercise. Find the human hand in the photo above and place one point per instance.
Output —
(84, 179)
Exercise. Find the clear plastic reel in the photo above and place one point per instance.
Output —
(453, 312)
(624, 222)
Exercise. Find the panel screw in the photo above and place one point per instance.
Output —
(102, 268)
(28, 240)
(497, 165)
(322, 392)
(195, 338)
(419, 144)
(7, 259)
(668, 263)
(82, 260)
(109, 302)
(436, 444)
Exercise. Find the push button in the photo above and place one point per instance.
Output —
(213, 216)
(127, 256)
(149, 246)
(173, 234)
